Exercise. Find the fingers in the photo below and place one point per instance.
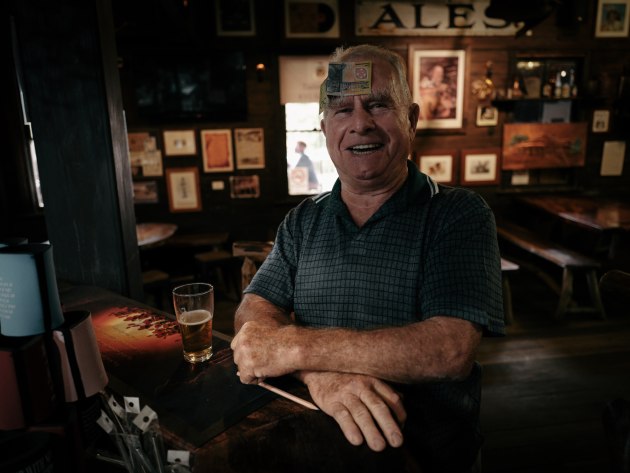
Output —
(394, 401)
(348, 426)
(360, 405)
(381, 415)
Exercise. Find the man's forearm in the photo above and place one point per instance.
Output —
(254, 307)
(439, 348)
(436, 349)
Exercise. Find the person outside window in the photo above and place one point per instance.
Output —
(306, 162)
(376, 295)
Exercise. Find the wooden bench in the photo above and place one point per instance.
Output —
(570, 262)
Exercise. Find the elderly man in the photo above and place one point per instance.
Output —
(377, 294)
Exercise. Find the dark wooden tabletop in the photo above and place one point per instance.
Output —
(141, 351)
(594, 212)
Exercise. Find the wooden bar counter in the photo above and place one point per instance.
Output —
(227, 426)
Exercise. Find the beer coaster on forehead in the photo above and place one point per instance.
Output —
(349, 78)
(345, 79)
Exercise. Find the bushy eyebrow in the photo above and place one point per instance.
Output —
(335, 102)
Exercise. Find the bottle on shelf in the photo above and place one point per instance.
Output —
(557, 91)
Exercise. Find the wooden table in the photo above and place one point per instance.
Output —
(228, 427)
(593, 212)
(154, 233)
(610, 218)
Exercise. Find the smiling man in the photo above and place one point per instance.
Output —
(377, 294)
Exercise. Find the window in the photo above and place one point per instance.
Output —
(310, 170)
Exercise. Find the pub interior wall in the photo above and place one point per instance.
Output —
(603, 65)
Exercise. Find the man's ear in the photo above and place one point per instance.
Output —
(322, 125)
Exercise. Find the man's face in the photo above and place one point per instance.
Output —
(369, 136)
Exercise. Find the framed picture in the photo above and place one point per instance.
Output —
(544, 145)
(179, 143)
(437, 83)
(245, 187)
(439, 165)
(145, 192)
(235, 17)
(612, 18)
(487, 115)
(601, 119)
(308, 19)
(144, 156)
(613, 156)
(216, 147)
(182, 185)
(250, 148)
(480, 167)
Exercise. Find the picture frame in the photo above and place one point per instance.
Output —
(245, 187)
(487, 115)
(480, 167)
(601, 120)
(249, 148)
(145, 158)
(613, 17)
(439, 165)
(182, 185)
(613, 156)
(179, 142)
(544, 145)
(308, 19)
(217, 151)
(145, 192)
(437, 83)
(235, 17)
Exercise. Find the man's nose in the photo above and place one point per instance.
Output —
(362, 119)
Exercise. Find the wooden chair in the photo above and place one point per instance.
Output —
(219, 268)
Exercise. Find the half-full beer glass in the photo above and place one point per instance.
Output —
(194, 309)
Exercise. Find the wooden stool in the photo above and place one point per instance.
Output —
(157, 283)
(218, 266)
(506, 267)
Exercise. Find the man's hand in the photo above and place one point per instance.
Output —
(363, 406)
(264, 349)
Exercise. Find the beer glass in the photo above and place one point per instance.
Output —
(194, 309)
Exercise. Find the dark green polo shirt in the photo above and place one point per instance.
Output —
(429, 250)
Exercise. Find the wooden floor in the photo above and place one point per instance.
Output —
(545, 384)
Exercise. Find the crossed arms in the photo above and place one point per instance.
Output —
(348, 372)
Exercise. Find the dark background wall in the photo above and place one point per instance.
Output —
(81, 124)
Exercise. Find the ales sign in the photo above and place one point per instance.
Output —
(428, 18)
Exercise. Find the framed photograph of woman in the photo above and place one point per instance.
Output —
(480, 167)
(437, 82)
(612, 18)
